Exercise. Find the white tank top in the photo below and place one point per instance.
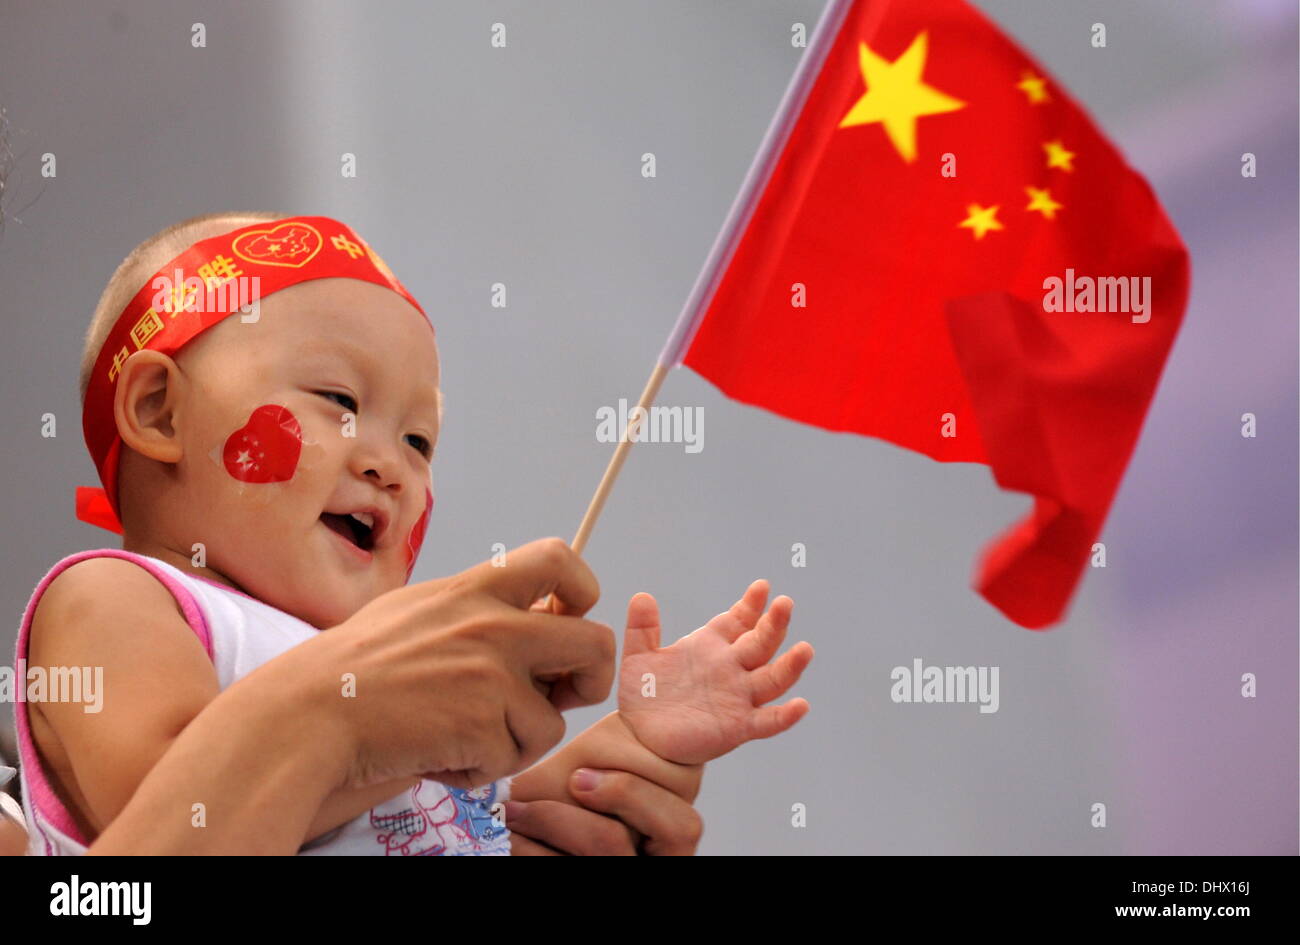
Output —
(241, 633)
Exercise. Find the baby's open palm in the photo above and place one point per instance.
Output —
(706, 694)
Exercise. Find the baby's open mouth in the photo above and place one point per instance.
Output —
(351, 528)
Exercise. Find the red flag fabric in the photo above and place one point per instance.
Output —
(949, 255)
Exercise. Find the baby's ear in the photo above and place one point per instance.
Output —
(145, 404)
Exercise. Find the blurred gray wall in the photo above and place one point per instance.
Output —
(479, 165)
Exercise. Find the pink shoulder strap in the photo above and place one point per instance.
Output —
(43, 798)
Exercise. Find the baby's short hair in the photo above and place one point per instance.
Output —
(143, 262)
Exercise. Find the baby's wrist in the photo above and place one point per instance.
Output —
(682, 779)
(626, 729)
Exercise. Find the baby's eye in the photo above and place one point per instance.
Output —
(421, 444)
(341, 397)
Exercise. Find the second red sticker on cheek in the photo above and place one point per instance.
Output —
(266, 448)
(416, 538)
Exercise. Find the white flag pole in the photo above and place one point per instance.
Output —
(724, 246)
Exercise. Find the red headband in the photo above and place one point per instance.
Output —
(205, 284)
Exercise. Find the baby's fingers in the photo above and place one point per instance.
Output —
(775, 719)
(773, 680)
(642, 635)
(744, 613)
(750, 606)
(756, 647)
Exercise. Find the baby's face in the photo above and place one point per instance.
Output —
(273, 512)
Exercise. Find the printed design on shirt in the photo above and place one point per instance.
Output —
(434, 820)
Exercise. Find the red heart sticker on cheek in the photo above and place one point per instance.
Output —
(266, 448)
(416, 538)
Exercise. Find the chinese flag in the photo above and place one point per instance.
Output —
(934, 183)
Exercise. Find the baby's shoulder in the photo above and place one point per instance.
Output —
(106, 580)
(94, 594)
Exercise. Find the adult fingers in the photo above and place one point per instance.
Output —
(531, 571)
(569, 829)
(671, 826)
(577, 654)
(496, 746)
(534, 723)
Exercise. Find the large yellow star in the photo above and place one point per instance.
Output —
(981, 219)
(896, 96)
(1057, 156)
(1042, 200)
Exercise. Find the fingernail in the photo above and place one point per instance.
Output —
(584, 779)
(513, 809)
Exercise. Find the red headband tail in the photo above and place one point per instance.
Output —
(93, 507)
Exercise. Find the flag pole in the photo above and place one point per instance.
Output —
(620, 453)
(724, 246)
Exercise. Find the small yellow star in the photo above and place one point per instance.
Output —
(981, 219)
(1035, 87)
(1042, 200)
(1057, 156)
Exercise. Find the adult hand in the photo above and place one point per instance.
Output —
(662, 824)
(457, 679)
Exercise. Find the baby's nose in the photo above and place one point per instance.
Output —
(385, 480)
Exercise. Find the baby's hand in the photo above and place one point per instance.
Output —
(705, 694)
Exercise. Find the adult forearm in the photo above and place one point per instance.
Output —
(246, 776)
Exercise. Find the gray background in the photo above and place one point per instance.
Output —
(478, 165)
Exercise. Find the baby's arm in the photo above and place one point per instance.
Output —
(110, 613)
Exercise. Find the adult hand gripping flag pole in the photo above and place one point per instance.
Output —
(928, 283)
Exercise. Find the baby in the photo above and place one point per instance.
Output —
(261, 398)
